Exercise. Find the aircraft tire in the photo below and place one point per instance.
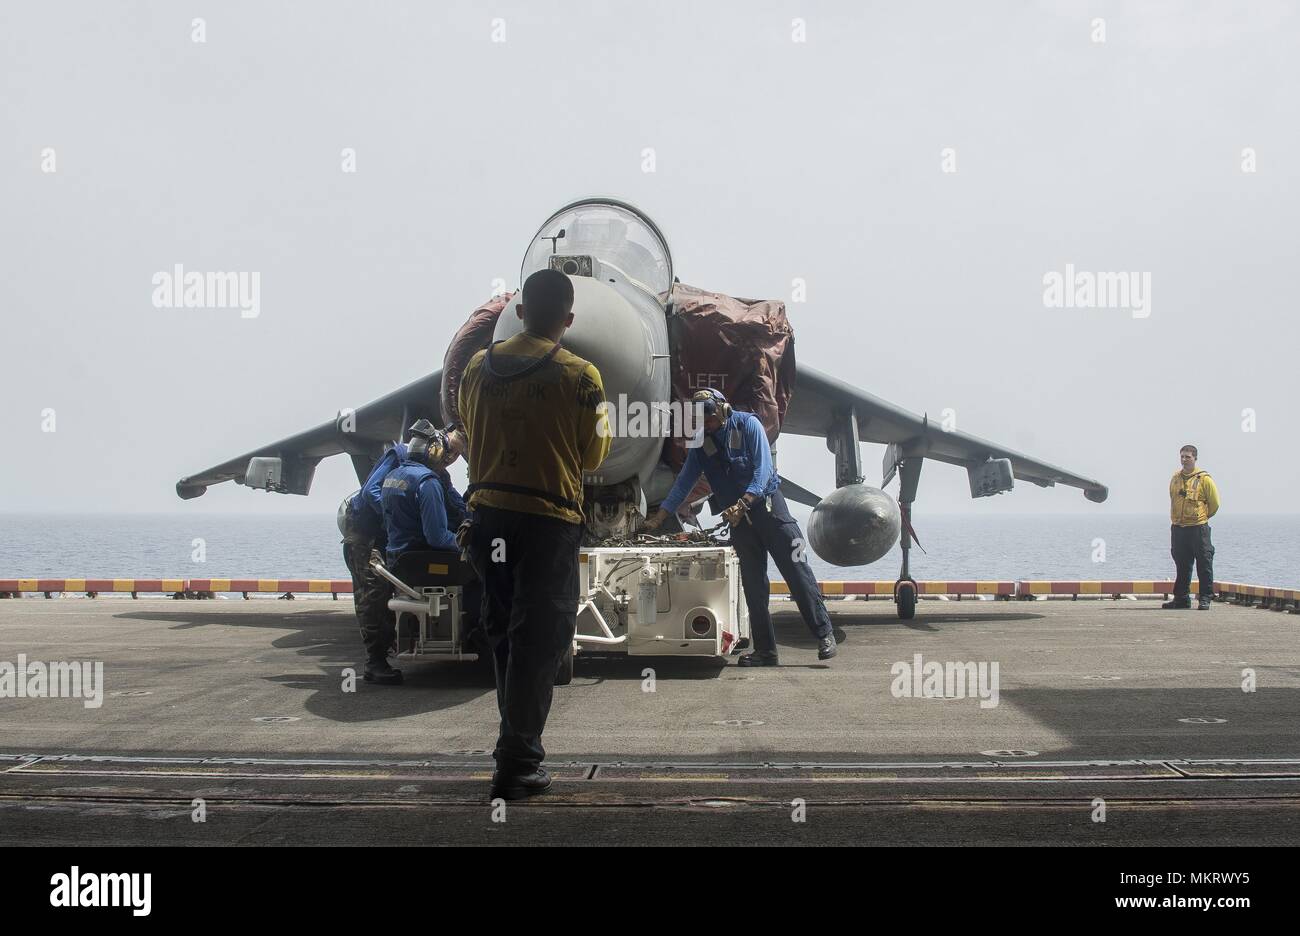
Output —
(906, 602)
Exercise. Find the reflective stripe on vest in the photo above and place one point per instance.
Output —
(555, 499)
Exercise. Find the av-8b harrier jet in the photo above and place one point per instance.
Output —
(650, 337)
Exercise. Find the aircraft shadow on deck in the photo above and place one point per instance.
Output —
(1101, 719)
(790, 630)
(1134, 722)
(331, 640)
(1102, 722)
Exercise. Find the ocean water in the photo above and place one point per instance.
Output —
(1261, 550)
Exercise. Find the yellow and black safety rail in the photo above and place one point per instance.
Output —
(1260, 596)
(1028, 590)
(177, 588)
(1002, 590)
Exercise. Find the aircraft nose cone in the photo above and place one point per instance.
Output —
(608, 331)
(855, 525)
(611, 332)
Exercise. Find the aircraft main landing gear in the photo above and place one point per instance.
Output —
(905, 598)
(905, 589)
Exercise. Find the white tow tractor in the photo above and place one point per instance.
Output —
(661, 601)
(634, 600)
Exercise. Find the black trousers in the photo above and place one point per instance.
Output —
(370, 594)
(529, 567)
(774, 533)
(1188, 544)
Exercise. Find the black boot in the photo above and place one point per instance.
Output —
(1203, 603)
(520, 786)
(1182, 603)
(826, 647)
(759, 659)
(379, 671)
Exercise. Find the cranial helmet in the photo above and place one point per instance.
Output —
(714, 403)
(345, 513)
(428, 443)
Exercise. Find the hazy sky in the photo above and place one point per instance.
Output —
(773, 158)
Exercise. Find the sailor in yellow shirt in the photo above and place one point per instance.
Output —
(532, 415)
(1193, 500)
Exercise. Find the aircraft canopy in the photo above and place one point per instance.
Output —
(615, 234)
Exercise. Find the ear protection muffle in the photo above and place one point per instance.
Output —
(720, 405)
(427, 443)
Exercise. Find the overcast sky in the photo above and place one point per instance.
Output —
(774, 159)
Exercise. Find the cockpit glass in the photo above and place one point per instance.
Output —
(618, 238)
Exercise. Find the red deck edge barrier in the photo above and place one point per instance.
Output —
(1263, 595)
(180, 587)
(1005, 589)
(1027, 589)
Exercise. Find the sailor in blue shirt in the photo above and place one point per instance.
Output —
(361, 521)
(414, 504)
(736, 459)
(366, 504)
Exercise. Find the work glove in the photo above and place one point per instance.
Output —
(735, 512)
(653, 522)
(463, 536)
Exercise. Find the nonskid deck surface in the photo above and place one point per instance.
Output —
(242, 705)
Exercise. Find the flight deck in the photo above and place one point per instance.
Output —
(1181, 725)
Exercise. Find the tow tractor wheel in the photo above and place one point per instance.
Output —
(906, 598)
(564, 673)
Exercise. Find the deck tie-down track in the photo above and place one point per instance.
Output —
(453, 767)
(171, 783)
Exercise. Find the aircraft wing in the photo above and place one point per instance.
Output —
(819, 398)
(361, 434)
